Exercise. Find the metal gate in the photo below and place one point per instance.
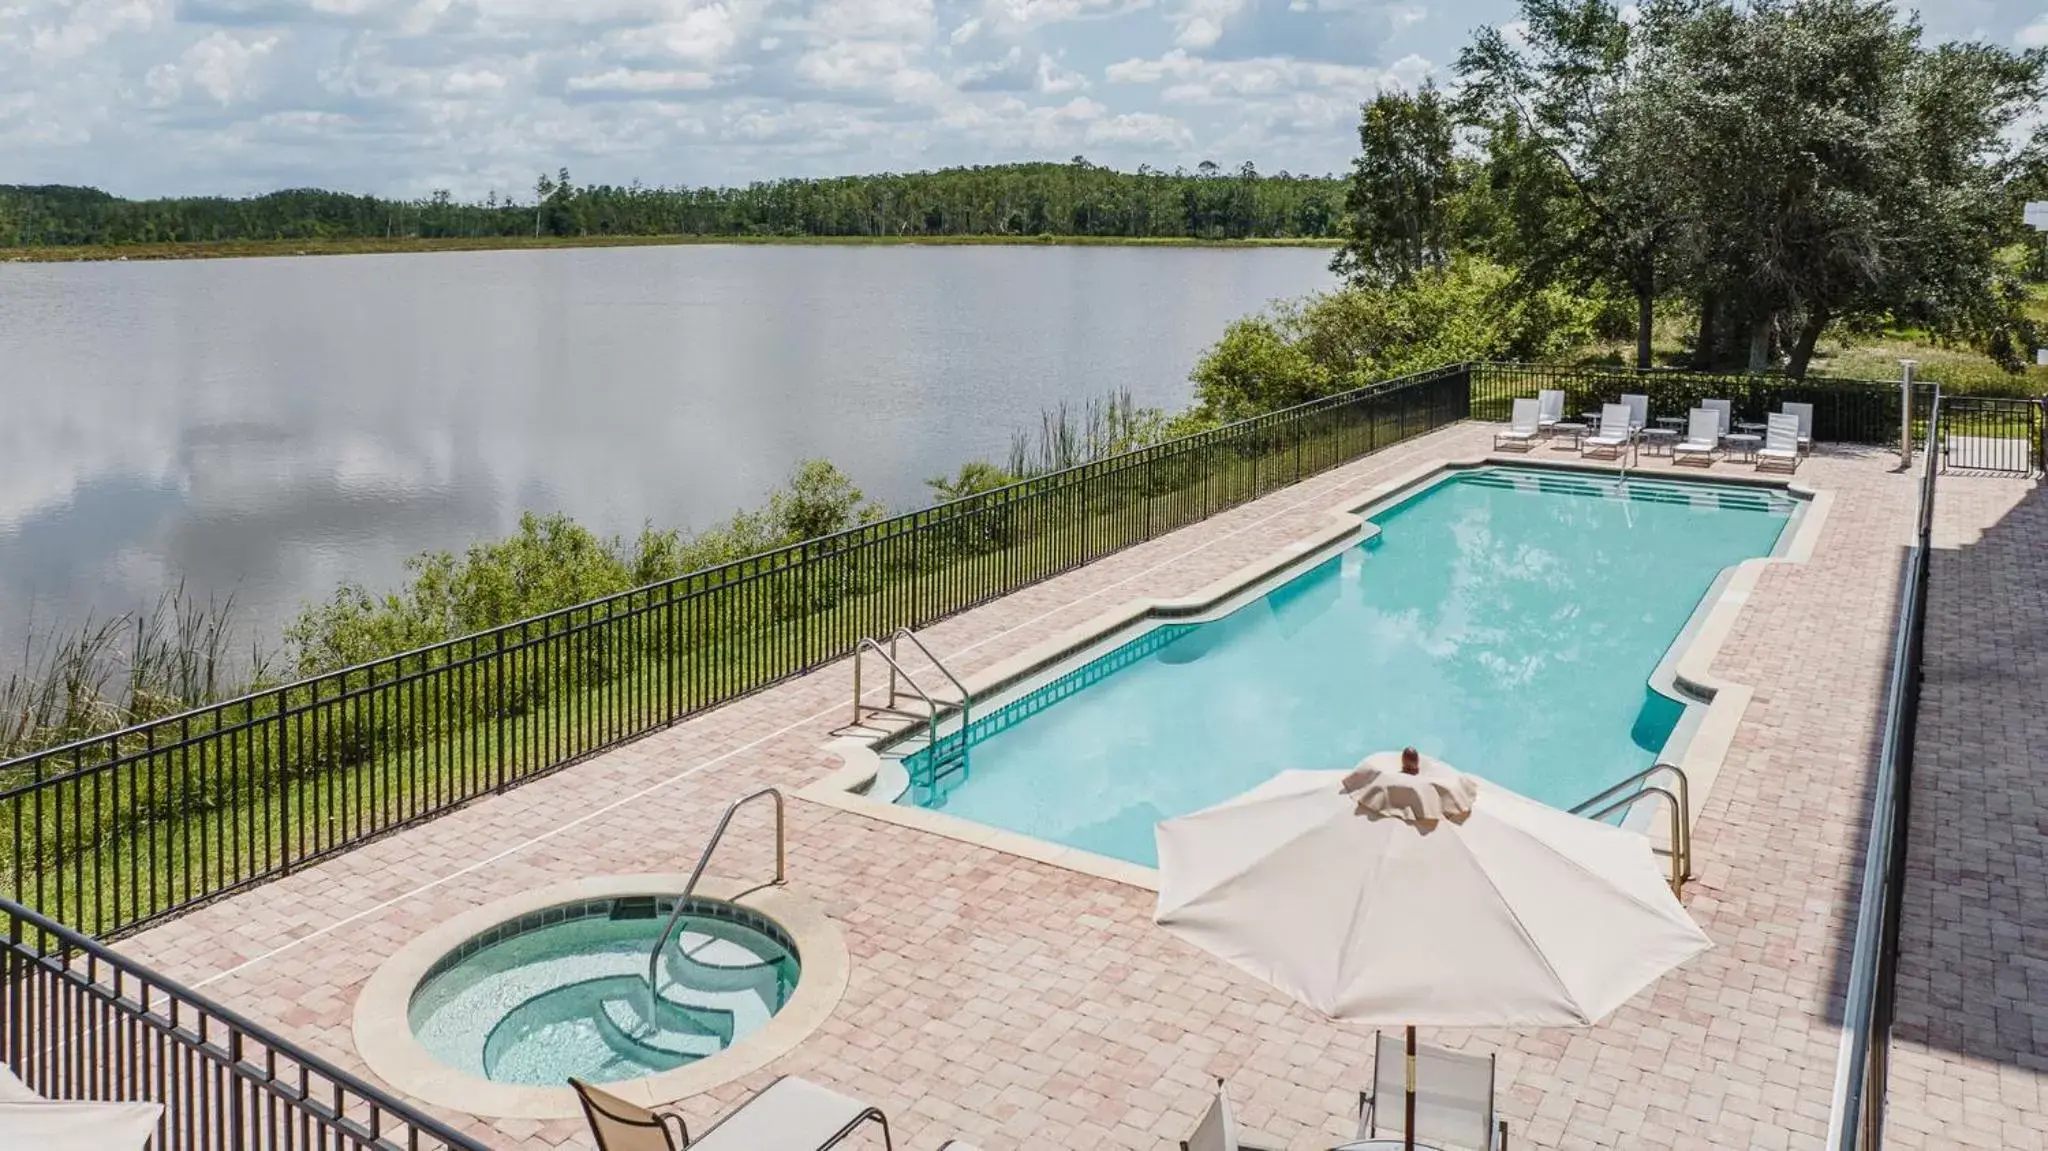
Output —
(1991, 434)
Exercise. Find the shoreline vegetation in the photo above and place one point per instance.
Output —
(407, 245)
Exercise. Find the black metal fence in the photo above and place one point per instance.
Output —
(78, 1021)
(1991, 434)
(114, 832)
(1858, 1119)
(1844, 411)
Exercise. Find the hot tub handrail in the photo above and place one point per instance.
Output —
(703, 860)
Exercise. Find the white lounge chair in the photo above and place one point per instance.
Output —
(1638, 412)
(1702, 437)
(1781, 443)
(1549, 408)
(790, 1114)
(1453, 1098)
(1727, 410)
(1521, 427)
(1216, 1130)
(1614, 435)
(1805, 414)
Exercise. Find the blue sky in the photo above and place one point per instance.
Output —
(397, 97)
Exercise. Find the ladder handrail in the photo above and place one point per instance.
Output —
(906, 633)
(1681, 856)
(1681, 803)
(710, 845)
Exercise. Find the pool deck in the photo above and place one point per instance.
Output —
(1015, 1003)
(1970, 1045)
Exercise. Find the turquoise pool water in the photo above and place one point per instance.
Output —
(1505, 620)
(563, 992)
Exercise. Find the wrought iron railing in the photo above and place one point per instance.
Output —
(1858, 1120)
(114, 832)
(1991, 434)
(78, 1021)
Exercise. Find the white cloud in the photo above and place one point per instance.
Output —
(2034, 35)
(628, 81)
(403, 96)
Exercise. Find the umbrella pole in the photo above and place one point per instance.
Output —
(1408, 1114)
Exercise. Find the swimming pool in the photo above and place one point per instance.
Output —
(1506, 620)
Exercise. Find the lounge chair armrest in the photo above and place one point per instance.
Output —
(681, 1127)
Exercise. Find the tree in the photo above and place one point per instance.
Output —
(1835, 169)
(1397, 208)
(1585, 147)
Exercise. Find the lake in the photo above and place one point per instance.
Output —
(271, 428)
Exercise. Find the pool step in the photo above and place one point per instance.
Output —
(677, 1033)
(1639, 489)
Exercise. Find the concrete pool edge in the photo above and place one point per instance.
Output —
(1722, 703)
(382, 1027)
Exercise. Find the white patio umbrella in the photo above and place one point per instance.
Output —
(1434, 899)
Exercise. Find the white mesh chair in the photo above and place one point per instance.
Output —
(1781, 443)
(790, 1114)
(1727, 410)
(1638, 412)
(1702, 437)
(1549, 408)
(1453, 1098)
(1522, 428)
(1216, 1130)
(1614, 434)
(1805, 414)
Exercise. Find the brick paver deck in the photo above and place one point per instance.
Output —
(1970, 1045)
(1018, 1004)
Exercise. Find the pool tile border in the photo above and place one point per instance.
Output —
(383, 1029)
(1725, 701)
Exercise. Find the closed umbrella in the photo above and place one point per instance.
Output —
(1431, 899)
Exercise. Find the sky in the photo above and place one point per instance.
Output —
(401, 97)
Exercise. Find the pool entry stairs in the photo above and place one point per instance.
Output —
(945, 755)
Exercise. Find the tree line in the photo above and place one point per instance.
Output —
(1076, 198)
(1767, 169)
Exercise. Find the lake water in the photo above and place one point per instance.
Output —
(274, 427)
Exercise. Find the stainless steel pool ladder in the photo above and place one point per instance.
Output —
(942, 760)
(690, 888)
(1678, 806)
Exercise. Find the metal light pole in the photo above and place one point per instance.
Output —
(1906, 413)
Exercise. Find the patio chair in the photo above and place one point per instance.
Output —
(1521, 427)
(1781, 443)
(1453, 1097)
(1805, 414)
(1614, 435)
(1638, 412)
(790, 1114)
(1216, 1130)
(1702, 437)
(1549, 408)
(1727, 410)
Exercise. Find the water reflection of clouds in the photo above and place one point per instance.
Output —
(273, 427)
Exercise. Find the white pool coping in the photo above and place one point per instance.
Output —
(383, 1027)
(1718, 703)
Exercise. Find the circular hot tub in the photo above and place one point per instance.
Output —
(493, 1011)
(563, 991)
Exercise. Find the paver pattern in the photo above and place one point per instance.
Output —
(1970, 1043)
(1017, 1004)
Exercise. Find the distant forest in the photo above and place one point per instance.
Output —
(1072, 199)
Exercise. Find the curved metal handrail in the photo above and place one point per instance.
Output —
(1681, 856)
(906, 633)
(1681, 843)
(683, 900)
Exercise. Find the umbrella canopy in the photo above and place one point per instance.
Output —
(1482, 909)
